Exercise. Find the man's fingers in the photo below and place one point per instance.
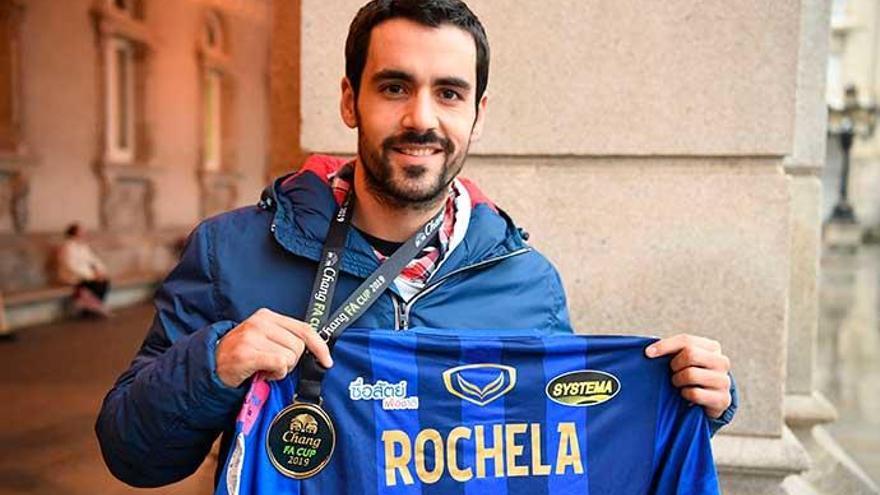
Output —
(276, 364)
(701, 377)
(266, 342)
(675, 344)
(695, 356)
(313, 342)
(283, 337)
(318, 347)
(713, 401)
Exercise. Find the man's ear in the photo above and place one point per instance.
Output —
(348, 104)
(477, 130)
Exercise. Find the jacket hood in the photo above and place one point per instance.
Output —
(303, 205)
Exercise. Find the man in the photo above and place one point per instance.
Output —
(416, 75)
(80, 267)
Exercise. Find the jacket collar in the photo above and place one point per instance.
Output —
(303, 205)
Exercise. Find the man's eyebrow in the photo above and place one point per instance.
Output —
(386, 74)
(455, 82)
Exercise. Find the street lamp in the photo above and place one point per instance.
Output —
(854, 119)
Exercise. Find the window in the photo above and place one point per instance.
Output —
(834, 86)
(14, 157)
(838, 12)
(214, 31)
(10, 119)
(216, 167)
(124, 45)
(120, 98)
(216, 94)
(212, 119)
(131, 8)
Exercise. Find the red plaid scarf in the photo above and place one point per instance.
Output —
(422, 266)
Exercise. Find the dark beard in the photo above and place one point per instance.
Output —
(379, 174)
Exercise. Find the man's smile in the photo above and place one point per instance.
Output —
(419, 151)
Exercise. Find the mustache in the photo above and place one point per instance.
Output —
(412, 137)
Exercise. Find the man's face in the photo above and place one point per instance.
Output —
(415, 114)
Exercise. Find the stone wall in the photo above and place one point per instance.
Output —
(643, 145)
(28, 262)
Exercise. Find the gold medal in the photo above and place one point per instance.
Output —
(301, 440)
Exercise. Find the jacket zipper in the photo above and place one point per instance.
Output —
(402, 309)
(398, 311)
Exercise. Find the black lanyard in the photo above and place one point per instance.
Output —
(331, 327)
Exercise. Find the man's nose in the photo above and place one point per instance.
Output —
(421, 113)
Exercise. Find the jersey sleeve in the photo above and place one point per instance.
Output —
(683, 462)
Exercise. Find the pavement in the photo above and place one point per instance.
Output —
(52, 381)
(848, 354)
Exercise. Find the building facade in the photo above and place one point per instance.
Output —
(854, 60)
(134, 118)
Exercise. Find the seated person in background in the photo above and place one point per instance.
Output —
(79, 266)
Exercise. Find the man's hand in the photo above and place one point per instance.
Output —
(699, 369)
(267, 342)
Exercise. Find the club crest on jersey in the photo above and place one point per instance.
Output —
(583, 388)
(480, 384)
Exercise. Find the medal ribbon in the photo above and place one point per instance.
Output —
(367, 293)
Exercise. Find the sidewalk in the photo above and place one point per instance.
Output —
(848, 354)
(52, 380)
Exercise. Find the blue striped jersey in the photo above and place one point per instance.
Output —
(446, 412)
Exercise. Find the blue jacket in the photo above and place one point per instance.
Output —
(160, 419)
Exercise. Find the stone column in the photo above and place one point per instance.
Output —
(285, 151)
(643, 145)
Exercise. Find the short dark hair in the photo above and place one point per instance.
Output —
(72, 230)
(432, 13)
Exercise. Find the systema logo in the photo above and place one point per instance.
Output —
(583, 388)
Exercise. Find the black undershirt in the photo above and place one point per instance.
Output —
(387, 248)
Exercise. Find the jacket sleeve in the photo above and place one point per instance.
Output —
(716, 424)
(159, 420)
(559, 318)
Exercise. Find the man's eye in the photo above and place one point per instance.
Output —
(448, 94)
(393, 89)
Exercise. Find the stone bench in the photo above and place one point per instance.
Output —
(45, 304)
(29, 293)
